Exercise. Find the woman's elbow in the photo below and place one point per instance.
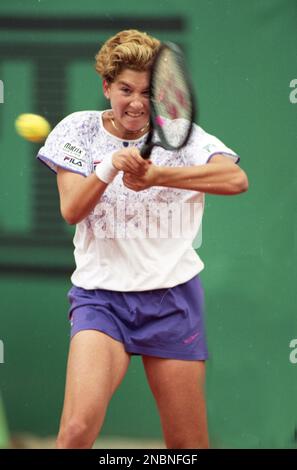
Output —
(241, 184)
(244, 183)
(69, 215)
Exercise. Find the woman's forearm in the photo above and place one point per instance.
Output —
(213, 178)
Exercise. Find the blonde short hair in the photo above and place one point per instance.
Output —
(130, 49)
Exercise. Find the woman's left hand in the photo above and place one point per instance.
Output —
(139, 183)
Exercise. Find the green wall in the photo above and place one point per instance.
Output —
(243, 59)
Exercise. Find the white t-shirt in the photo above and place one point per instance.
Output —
(132, 241)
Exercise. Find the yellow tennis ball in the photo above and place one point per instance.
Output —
(32, 127)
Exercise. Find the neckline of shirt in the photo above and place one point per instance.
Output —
(131, 141)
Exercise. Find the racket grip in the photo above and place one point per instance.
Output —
(146, 150)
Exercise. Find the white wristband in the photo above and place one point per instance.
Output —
(105, 170)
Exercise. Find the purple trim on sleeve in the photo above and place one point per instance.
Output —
(46, 162)
(224, 153)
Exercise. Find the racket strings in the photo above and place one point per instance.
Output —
(172, 98)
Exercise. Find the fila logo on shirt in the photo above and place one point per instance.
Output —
(73, 155)
(73, 161)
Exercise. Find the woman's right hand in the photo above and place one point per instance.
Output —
(129, 160)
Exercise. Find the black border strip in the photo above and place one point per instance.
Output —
(172, 23)
(35, 270)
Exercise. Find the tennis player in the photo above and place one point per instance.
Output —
(136, 287)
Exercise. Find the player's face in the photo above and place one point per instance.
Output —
(129, 99)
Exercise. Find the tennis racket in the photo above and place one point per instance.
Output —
(172, 103)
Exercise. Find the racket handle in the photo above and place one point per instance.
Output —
(146, 150)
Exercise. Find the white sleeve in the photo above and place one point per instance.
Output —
(203, 146)
(66, 146)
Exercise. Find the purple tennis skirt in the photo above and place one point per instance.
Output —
(165, 323)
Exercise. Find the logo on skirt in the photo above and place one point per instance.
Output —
(191, 338)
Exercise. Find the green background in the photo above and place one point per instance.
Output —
(242, 55)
